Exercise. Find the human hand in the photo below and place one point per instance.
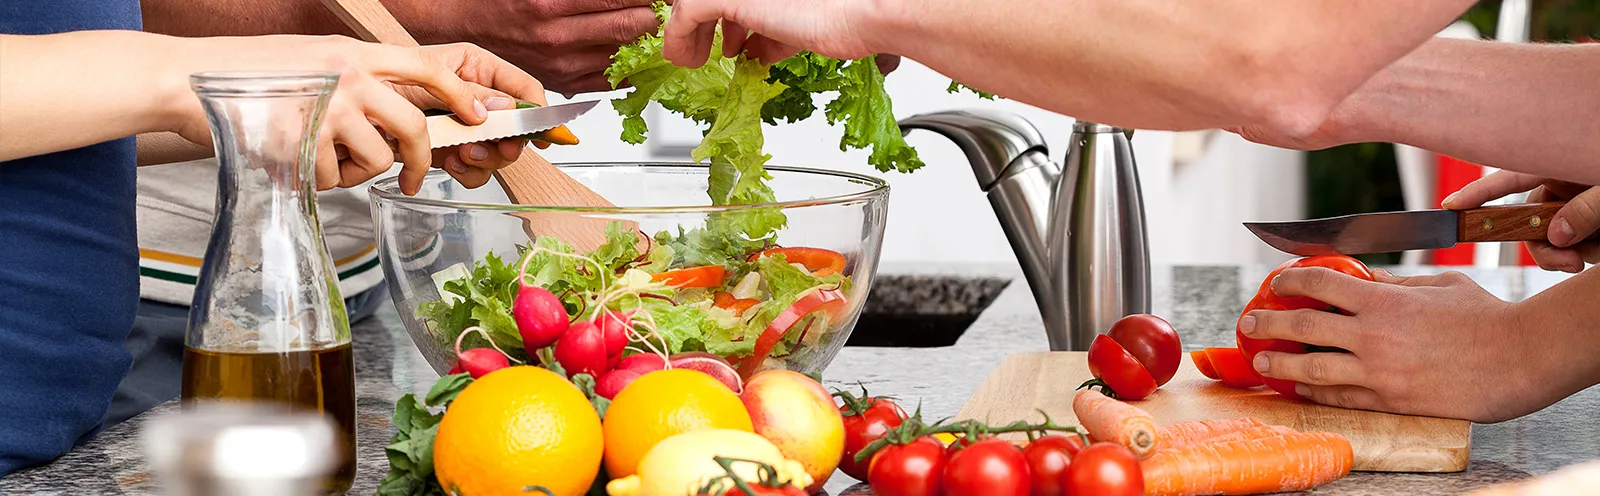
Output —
(566, 44)
(369, 103)
(1428, 345)
(1566, 250)
(833, 28)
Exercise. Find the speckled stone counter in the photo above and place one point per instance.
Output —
(1202, 302)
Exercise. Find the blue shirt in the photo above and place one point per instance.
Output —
(69, 280)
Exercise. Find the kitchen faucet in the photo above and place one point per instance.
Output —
(1079, 233)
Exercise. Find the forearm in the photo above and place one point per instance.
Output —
(70, 90)
(1159, 64)
(1527, 108)
(195, 18)
(1568, 320)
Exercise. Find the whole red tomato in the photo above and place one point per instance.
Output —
(1119, 370)
(1152, 341)
(912, 469)
(865, 421)
(1048, 458)
(1265, 299)
(1104, 469)
(987, 467)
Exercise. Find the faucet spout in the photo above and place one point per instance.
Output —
(991, 140)
(1011, 163)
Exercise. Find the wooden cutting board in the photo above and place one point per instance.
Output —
(1383, 442)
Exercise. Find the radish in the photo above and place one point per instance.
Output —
(614, 326)
(478, 362)
(614, 381)
(643, 363)
(582, 350)
(711, 365)
(540, 317)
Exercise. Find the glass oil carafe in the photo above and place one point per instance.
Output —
(268, 326)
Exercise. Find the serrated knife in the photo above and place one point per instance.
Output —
(1386, 232)
(446, 130)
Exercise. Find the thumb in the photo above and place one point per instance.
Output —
(1491, 187)
(1579, 219)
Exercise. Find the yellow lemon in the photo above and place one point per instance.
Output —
(684, 464)
(663, 404)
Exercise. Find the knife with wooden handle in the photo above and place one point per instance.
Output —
(530, 180)
(1385, 232)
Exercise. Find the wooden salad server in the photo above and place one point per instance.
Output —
(530, 180)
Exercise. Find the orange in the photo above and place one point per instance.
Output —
(663, 404)
(518, 427)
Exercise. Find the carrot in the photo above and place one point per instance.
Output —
(1181, 434)
(705, 276)
(558, 135)
(1287, 462)
(1114, 421)
(1260, 431)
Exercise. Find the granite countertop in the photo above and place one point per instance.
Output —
(1202, 302)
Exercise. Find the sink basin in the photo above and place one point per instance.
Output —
(923, 311)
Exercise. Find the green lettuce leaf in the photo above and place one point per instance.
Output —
(956, 86)
(868, 116)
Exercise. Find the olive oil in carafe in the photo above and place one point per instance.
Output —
(320, 380)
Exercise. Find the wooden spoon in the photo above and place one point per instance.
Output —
(530, 180)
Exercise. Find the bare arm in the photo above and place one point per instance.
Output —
(195, 18)
(566, 44)
(1527, 108)
(1152, 64)
(45, 71)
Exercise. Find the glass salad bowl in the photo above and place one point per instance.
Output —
(771, 285)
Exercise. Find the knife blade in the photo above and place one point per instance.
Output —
(1385, 232)
(446, 130)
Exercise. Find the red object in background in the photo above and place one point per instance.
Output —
(1453, 175)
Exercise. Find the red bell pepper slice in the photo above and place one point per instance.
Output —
(822, 300)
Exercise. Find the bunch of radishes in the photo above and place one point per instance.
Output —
(594, 347)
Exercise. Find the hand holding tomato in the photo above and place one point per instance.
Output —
(1137, 355)
(1430, 345)
(1268, 299)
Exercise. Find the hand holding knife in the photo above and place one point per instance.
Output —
(1385, 232)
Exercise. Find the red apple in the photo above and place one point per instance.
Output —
(799, 417)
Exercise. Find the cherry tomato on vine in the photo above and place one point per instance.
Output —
(1048, 458)
(988, 467)
(1110, 363)
(912, 469)
(1152, 341)
(1104, 469)
(865, 420)
(1266, 299)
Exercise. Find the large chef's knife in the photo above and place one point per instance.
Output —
(1386, 232)
(446, 130)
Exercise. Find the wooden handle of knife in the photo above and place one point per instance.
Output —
(1524, 222)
